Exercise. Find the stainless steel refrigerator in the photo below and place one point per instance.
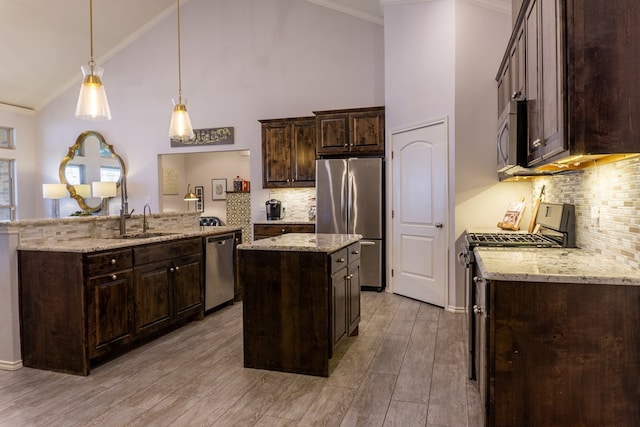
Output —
(350, 200)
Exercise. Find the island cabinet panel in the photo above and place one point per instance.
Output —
(562, 354)
(53, 312)
(296, 308)
(79, 309)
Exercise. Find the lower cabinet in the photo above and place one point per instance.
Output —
(298, 306)
(561, 354)
(80, 308)
(345, 292)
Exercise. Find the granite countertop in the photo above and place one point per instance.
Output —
(558, 265)
(284, 222)
(303, 242)
(107, 243)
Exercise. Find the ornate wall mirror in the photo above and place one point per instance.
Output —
(90, 159)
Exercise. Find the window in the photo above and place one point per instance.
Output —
(75, 174)
(7, 204)
(109, 174)
(6, 137)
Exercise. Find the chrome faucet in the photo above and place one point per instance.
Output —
(145, 224)
(124, 206)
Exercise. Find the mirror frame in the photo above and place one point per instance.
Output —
(71, 154)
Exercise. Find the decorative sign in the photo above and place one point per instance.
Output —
(212, 136)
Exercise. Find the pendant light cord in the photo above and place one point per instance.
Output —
(91, 61)
(179, 65)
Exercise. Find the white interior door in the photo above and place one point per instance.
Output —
(419, 229)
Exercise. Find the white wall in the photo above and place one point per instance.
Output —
(27, 157)
(242, 61)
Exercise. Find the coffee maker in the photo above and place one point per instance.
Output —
(274, 209)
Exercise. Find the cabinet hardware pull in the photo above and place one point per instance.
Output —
(172, 269)
(177, 268)
(114, 277)
(283, 230)
(537, 143)
(355, 252)
(477, 310)
(113, 261)
(340, 260)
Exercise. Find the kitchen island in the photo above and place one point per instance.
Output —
(559, 337)
(301, 299)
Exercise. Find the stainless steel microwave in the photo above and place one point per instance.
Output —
(511, 144)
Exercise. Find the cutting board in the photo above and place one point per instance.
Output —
(534, 212)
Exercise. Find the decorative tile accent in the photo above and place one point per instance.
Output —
(239, 213)
(607, 201)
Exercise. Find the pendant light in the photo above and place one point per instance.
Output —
(92, 101)
(180, 128)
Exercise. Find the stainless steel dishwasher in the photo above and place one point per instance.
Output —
(219, 270)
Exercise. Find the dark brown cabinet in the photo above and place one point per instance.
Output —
(289, 152)
(170, 288)
(345, 292)
(357, 131)
(571, 349)
(298, 305)
(263, 231)
(81, 308)
(580, 78)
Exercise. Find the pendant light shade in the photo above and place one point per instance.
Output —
(180, 127)
(190, 196)
(92, 101)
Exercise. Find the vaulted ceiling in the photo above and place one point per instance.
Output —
(44, 43)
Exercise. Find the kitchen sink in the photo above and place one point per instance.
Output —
(144, 235)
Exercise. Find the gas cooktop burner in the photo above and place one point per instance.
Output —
(510, 239)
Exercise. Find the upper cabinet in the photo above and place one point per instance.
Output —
(573, 62)
(289, 152)
(357, 131)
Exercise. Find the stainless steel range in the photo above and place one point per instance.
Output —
(556, 224)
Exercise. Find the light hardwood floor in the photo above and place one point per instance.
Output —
(407, 367)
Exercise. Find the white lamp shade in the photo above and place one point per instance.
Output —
(103, 189)
(180, 127)
(92, 101)
(54, 191)
(83, 190)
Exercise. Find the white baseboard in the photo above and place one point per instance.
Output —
(453, 309)
(10, 366)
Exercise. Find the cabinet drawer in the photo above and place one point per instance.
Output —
(354, 252)
(166, 250)
(104, 262)
(268, 230)
(339, 260)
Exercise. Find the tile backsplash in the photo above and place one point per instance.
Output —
(607, 201)
(296, 201)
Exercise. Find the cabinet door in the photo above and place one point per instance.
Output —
(186, 275)
(353, 297)
(534, 104)
(152, 297)
(517, 64)
(276, 154)
(110, 311)
(339, 306)
(366, 131)
(552, 77)
(303, 167)
(333, 133)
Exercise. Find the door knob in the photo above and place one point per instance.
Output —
(439, 225)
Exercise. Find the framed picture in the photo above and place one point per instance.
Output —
(200, 202)
(219, 189)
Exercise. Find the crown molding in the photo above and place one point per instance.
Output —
(349, 11)
(500, 6)
(17, 109)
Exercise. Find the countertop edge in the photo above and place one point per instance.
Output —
(302, 242)
(86, 245)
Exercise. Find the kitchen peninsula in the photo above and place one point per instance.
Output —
(559, 335)
(88, 294)
(301, 299)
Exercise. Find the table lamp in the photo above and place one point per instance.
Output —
(104, 190)
(55, 192)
